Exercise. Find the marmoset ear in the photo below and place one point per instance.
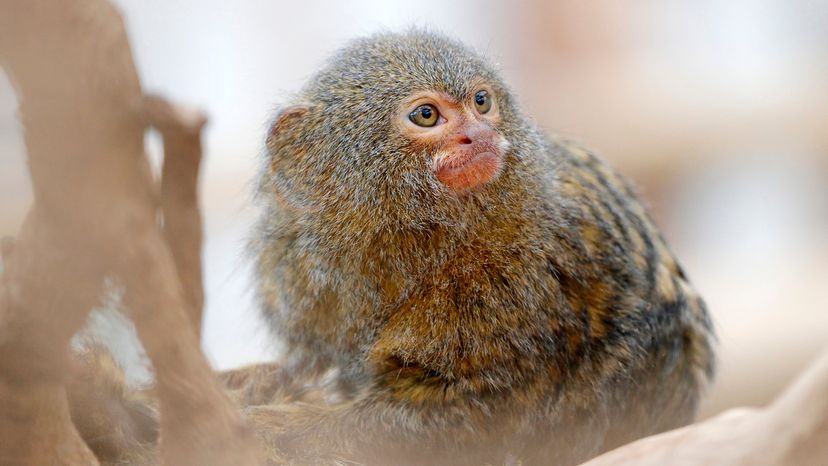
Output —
(285, 119)
(287, 145)
(285, 134)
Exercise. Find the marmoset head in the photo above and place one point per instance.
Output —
(405, 126)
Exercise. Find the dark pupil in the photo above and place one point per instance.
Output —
(425, 112)
(480, 98)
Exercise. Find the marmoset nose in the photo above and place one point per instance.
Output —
(472, 132)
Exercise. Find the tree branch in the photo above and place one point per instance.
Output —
(791, 431)
(181, 130)
(94, 216)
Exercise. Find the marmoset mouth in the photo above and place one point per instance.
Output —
(466, 171)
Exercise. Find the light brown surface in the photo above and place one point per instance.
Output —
(95, 216)
(790, 431)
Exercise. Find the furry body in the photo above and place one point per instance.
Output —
(540, 316)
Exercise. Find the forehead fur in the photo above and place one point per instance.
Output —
(390, 66)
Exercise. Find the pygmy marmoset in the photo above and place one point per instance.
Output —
(473, 291)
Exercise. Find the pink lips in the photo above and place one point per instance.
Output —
(466, 171)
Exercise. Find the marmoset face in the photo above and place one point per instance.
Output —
(467, 150)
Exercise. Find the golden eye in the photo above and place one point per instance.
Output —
(424, 115)
(483, 101)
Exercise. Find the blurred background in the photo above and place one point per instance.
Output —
(718, 109)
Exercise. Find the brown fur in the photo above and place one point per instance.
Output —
(119, 425)
(540, 315)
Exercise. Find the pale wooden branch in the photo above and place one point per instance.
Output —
(791, 431)
(95, 216)
(40, 276)
(181, 129)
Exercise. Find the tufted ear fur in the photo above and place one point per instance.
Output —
(286, 129)
(285, 119)
(286, 145)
